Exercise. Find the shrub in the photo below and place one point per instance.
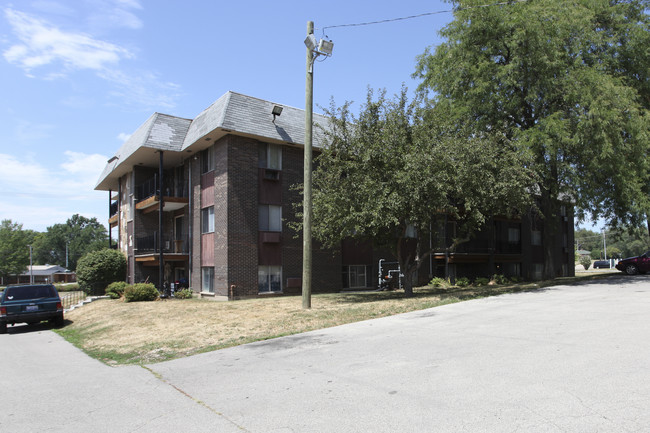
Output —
(183, 294)
(140, 292)
(116, 290)
(462, 282)
(481, 281)
(74, 287)
(499, 279)
(585, 261)
(439, 282)
(98, 269)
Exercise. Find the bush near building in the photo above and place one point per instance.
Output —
(96, 270)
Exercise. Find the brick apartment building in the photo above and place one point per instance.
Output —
(207, 201)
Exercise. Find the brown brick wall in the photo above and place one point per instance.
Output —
(242, 215)
(220, 201)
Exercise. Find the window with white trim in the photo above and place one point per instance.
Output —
(207, 279)
(270, 156)
(536, 237)
(514, 235)
(207, 219)
(270, 218)
(269, 279)
(355, 276)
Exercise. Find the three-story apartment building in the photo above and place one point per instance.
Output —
(207, 200)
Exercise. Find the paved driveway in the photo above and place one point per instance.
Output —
(565, 359)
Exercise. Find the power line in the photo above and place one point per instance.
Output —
(389, 20)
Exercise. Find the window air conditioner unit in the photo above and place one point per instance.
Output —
(270, 174)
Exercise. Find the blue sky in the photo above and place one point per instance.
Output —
(78, 76)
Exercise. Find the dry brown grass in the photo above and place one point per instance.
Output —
(138, 332)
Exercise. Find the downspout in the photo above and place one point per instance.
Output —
(161, 263)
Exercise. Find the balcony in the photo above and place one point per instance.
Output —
(147, 196)
(147, 249)
(112, 215)
(508, 248)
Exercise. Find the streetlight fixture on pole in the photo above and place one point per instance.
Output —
(323, 48)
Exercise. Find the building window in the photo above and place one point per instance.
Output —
(207, 280)
(536, 237)
(538, 269)
(354, 277)
(410, 231)
(270, 156)
(270, 218)
(207, 160)
(269, 279)
(512, 269)
(514, 235)
(207, 220)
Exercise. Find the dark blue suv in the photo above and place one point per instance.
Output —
(30, 304)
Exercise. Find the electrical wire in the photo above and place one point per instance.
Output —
(389, 20)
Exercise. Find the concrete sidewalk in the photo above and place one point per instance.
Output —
(564, 359)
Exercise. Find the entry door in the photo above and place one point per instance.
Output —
(179, 235)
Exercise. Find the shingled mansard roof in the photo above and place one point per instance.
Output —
(179, 138)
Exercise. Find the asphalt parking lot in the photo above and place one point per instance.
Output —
(562, 359)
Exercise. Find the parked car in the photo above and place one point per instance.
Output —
(635, 265)
(601, 264)
(31, 304)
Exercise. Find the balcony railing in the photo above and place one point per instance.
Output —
(476, 246)
(508, 248)
(149, 244)
(149, 188)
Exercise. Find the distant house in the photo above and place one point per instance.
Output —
(42, 274)
(583, 253)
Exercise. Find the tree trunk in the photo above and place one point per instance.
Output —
(404, 268)
(408, 284)
(549, 208)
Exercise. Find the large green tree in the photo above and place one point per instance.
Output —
(564, 81)
(386, 175)
(14, 248)
(68, 242)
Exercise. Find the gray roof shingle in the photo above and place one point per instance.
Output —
(232, 113)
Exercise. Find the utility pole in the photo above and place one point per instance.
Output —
(31, 267)
(307, 209)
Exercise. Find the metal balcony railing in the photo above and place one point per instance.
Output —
(149, 244)
(171, 188)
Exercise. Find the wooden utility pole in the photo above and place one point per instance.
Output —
(306, 219)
